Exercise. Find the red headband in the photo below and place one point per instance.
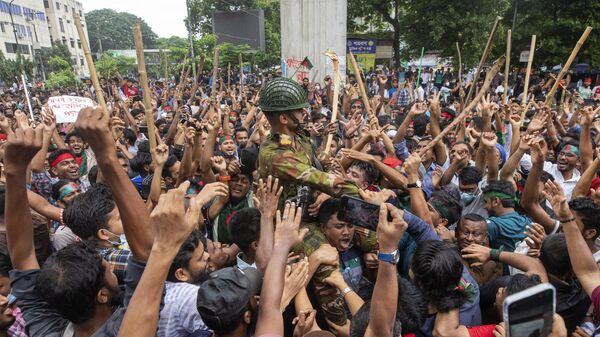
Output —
(60, 158)
(3, 136)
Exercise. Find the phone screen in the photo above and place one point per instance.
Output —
(531, 315)
(359, 212)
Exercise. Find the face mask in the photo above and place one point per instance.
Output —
(121, 244)
(467, 197)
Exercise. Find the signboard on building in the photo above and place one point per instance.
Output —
(364, 51)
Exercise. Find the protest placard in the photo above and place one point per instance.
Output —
(66, 108)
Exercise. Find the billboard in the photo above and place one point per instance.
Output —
(240, 27)
(364, 52)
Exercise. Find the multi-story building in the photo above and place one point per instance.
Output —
(61, 24)
(23, 28)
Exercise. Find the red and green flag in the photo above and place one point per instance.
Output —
(306, 63)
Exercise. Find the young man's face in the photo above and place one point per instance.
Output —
(169, 117)
(469, 232)
(459, 150)
(198, 267)
(338, 233)
(357, 176)
(567, 161)
(239, 186)
(241, 137)
(66, 169)
(228, 147)
(76, 145)
(67, 193)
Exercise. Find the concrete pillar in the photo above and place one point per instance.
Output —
(308, 28)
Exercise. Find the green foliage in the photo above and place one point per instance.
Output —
(11, 70)
(201, 18)
(558, 26)
(114, 29)
(109, 64)
(59, 64)
(61, 80)
(57, 50)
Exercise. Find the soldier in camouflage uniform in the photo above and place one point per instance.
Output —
(289, 155)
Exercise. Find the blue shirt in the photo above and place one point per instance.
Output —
(506, 230)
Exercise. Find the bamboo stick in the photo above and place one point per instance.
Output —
(336, 92)
(228, 76)
(139, 51)
(484, 57)
(565, 68)
(464, 113)
(241, 75)
(459, 66)
(90, 63)
(507, 66)
(213, 93)
(527, 75)
(363, 92)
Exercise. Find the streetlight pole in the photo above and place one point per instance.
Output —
(13, 23)
(189, 27)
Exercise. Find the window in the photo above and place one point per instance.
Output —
(12, 48)
(62, 25)
(72, 43)
(79, 43)
(80, 13)
(46, 4)
(2, 27)
(64, 40)
(81, 61)
(57, 6)
(66, 8)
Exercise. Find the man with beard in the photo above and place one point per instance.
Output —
(178, 315)
(227, 147)
(227, 301)
(241, 137)
(84, 157)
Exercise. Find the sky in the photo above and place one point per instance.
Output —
(164, 17)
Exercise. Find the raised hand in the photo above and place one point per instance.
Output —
(93, 125)
(49, 121)
(219, 164)
(389, 232)
(268, 195)
(21, 147)
(296, 278)
(357, 155)
(287, 227)
(489, 140)
(418, 109)
(538, 122)
(558, 200)
(376, 198)
(538, 150)
(313, 209)
(171, 223)
(160, 155)
(535, 237)
(211, 191)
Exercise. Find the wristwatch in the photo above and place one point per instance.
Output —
(392, 257)
(416, 184)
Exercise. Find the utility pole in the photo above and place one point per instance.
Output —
(13, 23)
(99, 39)
(190, 37)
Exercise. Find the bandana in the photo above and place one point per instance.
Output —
(502, 153)
(66, 190)
(224, 138)
(64, 156)
(3, 136)
(572, 149)
(499, 195)
(392, 162)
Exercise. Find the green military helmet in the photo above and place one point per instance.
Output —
(282, 94)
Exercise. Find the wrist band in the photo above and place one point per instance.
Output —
(224, 179)
(495, 255)
(62, 221)
(567, 221)
(346, 291)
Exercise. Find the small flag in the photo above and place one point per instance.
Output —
(306, 63)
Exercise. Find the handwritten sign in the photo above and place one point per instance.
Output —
(66, 108)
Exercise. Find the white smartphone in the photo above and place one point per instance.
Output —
(530, 312)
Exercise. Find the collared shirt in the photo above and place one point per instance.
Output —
(403, 97)
(117, 258)
(427, 180)
(179, 316)
(569, 184)
(41, 183)
(241, 264)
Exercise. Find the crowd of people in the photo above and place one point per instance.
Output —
(229, 223)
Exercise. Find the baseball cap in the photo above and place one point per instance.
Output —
(225, 295)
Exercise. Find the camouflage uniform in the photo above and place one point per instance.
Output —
(295, 164)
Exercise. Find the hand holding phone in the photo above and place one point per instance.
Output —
(359, 212)
(530, 312)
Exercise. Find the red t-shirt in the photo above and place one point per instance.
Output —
(474, 331)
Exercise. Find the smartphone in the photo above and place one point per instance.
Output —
(358, 212)
(530, 312)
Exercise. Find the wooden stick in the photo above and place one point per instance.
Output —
(228, 76)
(363, 92)
(486, 84)
(213, 93)
(241, 75)
(484, 56)
(139, 51)
(527, 75)
(90, 63)
(336, 92)
(459, 66)
(507, 66)
(565, 68)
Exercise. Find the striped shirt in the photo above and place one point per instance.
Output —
(179, 316)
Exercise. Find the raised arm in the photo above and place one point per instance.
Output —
(512, 163)
(287, 234)
(93, 125)
(172, 226)
(531, 193)
(268, 194)
(42, 206)
(522, 262)
(385, 294)
(581, 257)
(434, 127)
(418, 204)
(489, 141)
(21, 148)
(585, 142)
(585, 181)
(37, 164)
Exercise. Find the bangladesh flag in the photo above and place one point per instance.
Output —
(306, 63)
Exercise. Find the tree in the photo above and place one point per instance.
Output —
(558, 25)
(57, 50)
(11, 70)
(62, 76)
(110, 64)
(114, 30)
(434, 24)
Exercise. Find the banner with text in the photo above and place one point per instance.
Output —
(364, 52)
(66, 108)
